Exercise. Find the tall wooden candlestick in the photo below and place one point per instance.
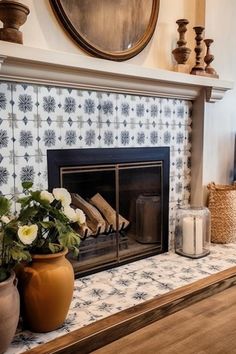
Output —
(181, 53)
(198, 69)
(208, 59)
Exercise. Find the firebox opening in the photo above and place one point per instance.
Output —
(125, 200)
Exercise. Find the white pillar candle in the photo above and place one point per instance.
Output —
(192, 235)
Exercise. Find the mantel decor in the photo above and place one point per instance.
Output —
(181, 53)
(192, 237)
(114, 29)
(13, 15)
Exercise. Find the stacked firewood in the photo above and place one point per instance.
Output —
(100, 216)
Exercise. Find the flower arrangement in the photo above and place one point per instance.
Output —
(45, 224)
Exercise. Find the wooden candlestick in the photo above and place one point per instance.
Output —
(181, 53)
(13, 15)
(208, 59)
(198, 69)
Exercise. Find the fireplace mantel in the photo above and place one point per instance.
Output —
(20, 63)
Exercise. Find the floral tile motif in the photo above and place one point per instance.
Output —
(6, 138)
(25, 102)
(26, 138)
(26, 170)
(107, 107)
(49, 103)
(49, 136)
(5, 100)
(102, 294)
(7, 176)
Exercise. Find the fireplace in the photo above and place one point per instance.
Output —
(124, 193)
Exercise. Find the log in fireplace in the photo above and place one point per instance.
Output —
(124, 193)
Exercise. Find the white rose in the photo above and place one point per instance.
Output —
(5, 219)
(27, 234)
(70, 213)
(62, 195)
(80, 216)
(45, 195)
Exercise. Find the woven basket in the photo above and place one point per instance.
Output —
(222, 205)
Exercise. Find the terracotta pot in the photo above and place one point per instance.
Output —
(46, 291)
(9, 311)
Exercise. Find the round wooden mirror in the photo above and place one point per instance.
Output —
(110, 29)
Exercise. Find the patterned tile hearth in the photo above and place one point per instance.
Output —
(103, 294)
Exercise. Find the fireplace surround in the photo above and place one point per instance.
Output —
(134, 182)
(37, 92)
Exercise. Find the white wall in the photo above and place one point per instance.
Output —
(42, 30)
(220, 123)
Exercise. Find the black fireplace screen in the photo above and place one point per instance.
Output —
(125, 196)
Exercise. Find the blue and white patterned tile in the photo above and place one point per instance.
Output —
(182, 111)
(50, 103)
(6, 138)
(25, 102)
(6, 175)
(90, 135)
(166, 110)
(141, 136)
(142, 110)
(71, 104)
(109, 136)
(126, 136)
(25, 138)
(154, 107)
(70, 138)
(126, 109)
(90, 105)
(26, 170)
(49, 136)
(5, 100)
(107, 107)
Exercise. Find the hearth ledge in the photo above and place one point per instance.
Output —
(34, 65)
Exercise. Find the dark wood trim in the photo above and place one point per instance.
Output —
(95, 51)
(107, 330)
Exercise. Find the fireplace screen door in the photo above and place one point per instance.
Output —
(125, 205)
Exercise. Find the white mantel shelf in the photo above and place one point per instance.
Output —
(27, 64)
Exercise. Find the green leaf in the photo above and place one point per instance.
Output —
(18, 254)
(5, 206)
(47, 224)
(69, 239)
(27, 185)
(54, 247)
(24, 201)
(28, 213)
(75, 251)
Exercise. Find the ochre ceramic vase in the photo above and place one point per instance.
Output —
(46, 289)
(9, 311)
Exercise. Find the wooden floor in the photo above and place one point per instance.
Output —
(206, 327)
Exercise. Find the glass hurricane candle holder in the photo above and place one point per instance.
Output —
(192, 234)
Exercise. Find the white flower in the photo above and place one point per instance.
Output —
(63, 195)
(27, 234)
(81, 218)
(70, 213)
(75, 215)
(45, 195)
(5, 219)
